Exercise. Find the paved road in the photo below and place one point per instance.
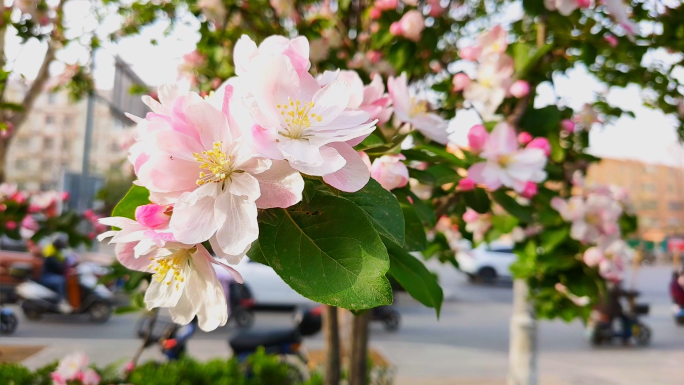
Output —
(468, 344)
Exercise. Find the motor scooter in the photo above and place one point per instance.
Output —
(84, 293)
(601, 329)
(388, 316)
(8, 321)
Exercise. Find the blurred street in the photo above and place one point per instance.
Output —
(467, 345)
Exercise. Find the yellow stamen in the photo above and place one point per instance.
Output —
(217, 162)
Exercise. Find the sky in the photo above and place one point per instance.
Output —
(649, 137)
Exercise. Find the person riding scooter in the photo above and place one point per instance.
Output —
(54, 270)
(612, 309)
(677, 294)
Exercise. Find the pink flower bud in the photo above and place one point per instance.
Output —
(152, 216)
(524, 138)
(477, 137)
(386, 5)
(561, 288)
(365, 159)
(129, 367)
(436, 8)
(29, 223)
(374, 56)
(460, 81)
(65, 196)
(390, 171)
(375, 13)
(466, 184)
(541, 143)
(11, 225)
(567, 125)
(469, 53)
(584, 3)
(395, 29)
(593, 256)
(412, 25)
(520, 89)
(470, 215)
(530, 190)
(612, 40)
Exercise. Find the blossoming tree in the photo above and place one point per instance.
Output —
(293, 152)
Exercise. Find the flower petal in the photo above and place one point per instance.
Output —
(281, 186)
(193, 219)
(240, 227)
(244, 185)
(354, 175)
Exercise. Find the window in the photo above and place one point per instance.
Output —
(48, 143)
(68, 122)
(46, 164)
(650, 222)
(23, 142)
(676, 206)
(49, 120)
(649, 205)
(673, 221)
(648, 187)
(66, 145)
(52, 98)
(20, 164)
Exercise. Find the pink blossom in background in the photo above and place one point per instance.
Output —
(491, 85)
(612, 40)
(89, 377)
(524, 138)
(592, 219)
(477, 137)
(492, 42)
(567, 125)
(390, 171)
(213, 10)
(408, 109)
(617, 9)
(374, 56)
(530, 190)
(566, 7)
(587, 117)
(469, 53)
(460, 82)
(542, 144)
(436, 8)
(593, 256)
(366, 159)
(466, 184)
(375, 13)
(520, 89)
(70, 368)
(129, 367)
(297, 51)
(506, 164)
(376, 102)
(11, 225)
(410, 25)
(477, 224)
(386, 5)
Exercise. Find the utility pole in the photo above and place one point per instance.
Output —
(523, 345)
(87, 143)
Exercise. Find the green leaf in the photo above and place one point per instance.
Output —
(442, 153)
(255, 254)
(381, 208)
(136, 196)
(521, 54)
(415, 239)
(309, 190)
(514, 208)
(425, 212)
(422, 176)
(443, 173)
(542, 121)
(504, 223)
(477, 200)
(412, 274)
(552, 238)
(372, 141)
(557, 151)
(329, 252)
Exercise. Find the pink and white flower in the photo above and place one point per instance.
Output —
(408, 109)
(491, 43)
(188, 155)
(490, 86)
(519, 89)
(183, 277)
(592, 218)
(371, 98)
(477, 138)
(460, 82)
(587, 117)
(246, 50)
(617, 9)
(390, 171)
(579, 301)
(90, 377)
(69, 368)
(213, 10)
(506, 164)
(477, 224)
(305, 124)
(566, 7)
(410, 26)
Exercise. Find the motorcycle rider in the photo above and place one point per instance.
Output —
(54, 269)
(676, 289)
(612, 308)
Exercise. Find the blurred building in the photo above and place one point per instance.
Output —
(657, 192)
(51, 141)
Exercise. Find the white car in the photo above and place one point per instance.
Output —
(486, 263)
(268, 289)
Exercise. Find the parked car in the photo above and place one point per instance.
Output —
(268, 289)
(486, 263)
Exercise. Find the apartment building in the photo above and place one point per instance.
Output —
(656, 190)
(51, 141)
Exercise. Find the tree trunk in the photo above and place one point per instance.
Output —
(4, 146)
(523, 346)
(359, 349)
(332, 346)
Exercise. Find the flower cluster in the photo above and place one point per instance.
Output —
(74, 369)
(595, 216)
(616, 9)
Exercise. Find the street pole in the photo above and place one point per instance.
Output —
(523, 345)
(87, 143)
